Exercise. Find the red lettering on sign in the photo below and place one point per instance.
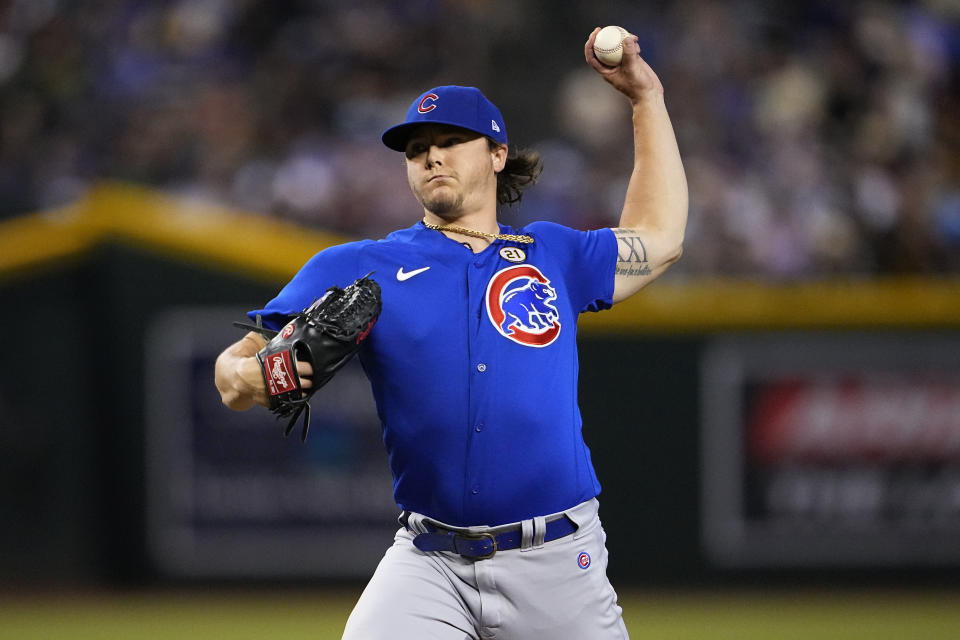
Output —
(875, 418)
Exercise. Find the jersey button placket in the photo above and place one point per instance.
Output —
(478, 457)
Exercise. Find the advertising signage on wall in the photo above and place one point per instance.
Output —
(831, 450)
(229, 496)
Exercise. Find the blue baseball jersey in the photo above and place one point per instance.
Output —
(473, 364)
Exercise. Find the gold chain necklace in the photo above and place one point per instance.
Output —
(479, 234)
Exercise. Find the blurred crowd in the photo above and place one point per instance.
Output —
(819, 137)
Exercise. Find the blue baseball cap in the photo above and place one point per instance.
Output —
(462, 107)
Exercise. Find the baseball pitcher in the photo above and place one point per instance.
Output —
(466, 329)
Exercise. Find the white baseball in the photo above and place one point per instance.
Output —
(608, 46)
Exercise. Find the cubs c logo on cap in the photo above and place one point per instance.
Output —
(520, 305)
(423, 107)
(464, 107)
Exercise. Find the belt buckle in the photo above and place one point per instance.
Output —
(481, 536)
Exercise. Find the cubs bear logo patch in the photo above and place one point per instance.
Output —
(520, 305)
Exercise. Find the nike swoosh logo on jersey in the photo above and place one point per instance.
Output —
(406, 275)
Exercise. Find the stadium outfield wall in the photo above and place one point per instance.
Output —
(737, 426)
(272, 250)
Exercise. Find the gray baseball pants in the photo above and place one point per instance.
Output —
(535, 592)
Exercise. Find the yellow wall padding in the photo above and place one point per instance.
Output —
(717, 305)
(273, 250)
(257, 245)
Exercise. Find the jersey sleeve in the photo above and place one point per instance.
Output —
(334, 266)
(588, 260)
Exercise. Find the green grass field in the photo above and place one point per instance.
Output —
(320, 614)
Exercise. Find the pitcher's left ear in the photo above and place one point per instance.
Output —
(499, 158)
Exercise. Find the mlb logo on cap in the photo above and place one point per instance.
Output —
(458, 106)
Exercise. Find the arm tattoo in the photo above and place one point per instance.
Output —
(631, 254)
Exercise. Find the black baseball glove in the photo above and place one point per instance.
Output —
(326, 334)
